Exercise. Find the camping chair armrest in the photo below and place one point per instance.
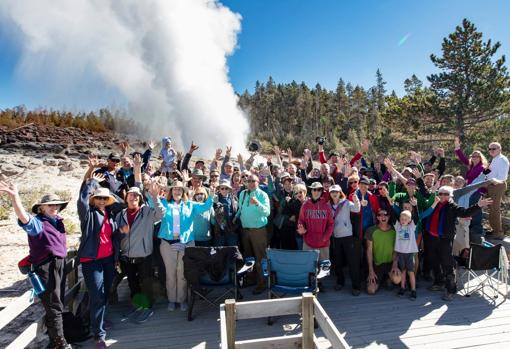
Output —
(324, 267)
(249, 263)
(263, 265)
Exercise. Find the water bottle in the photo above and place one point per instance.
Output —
(37, 284)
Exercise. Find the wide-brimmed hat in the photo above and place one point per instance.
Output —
(136, 191)
(103, 192)
(50, 199)
(316, 185)
(225, 183)
(198, 173)
(178, 184)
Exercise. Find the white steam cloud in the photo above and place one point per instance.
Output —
(165, 59)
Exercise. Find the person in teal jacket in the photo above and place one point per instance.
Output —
(254, 208)
(176, 233)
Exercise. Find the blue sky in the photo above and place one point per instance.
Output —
(323, 40)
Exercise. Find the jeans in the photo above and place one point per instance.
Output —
(51, 274)
(98, 275)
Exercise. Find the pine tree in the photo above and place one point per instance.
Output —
(473, 85)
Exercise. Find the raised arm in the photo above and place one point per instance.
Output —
(460, 154)
(11, 189)
(137, 168)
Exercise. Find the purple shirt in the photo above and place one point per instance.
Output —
(46, 237)
(472, 172)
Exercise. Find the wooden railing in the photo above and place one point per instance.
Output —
(307, 305)
(16, 307)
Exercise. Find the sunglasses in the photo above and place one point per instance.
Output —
(199, 194)
(444, 194)
(353, 182)
(53, 205)
(115, 161)
(214, 176)
(224, 188)
(382, 215)
(252, 181)
(101, 198)
(493, 149)
(316, 189)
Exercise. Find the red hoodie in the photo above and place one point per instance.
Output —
(317, 218)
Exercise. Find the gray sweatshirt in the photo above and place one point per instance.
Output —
(342, 215)
(138, 242)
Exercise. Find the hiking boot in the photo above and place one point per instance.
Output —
(401, 292)
(355, 292)
(412, 296)
(184, 306)
(100, 344)
(436, 287)
(145, 314)
(448, 297)
(171, 306)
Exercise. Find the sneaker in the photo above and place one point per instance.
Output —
(100, 344)
(412, 296)
(401, 292)
(145, 314)
(338, 287)
(107, 325)
(355, 292)
(447, 297)
(436, 287)
(133, 312)
(184, 306)
(171, 306)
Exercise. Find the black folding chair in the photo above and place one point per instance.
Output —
(205, 276)
(487, 266)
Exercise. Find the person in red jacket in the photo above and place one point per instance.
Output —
(316, 223)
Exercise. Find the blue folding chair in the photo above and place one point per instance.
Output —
(293, 272)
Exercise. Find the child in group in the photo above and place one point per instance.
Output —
(406, 249)
(167, 154)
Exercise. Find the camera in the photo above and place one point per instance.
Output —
(320, 140)
(254, 146)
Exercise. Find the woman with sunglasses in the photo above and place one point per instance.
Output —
(47, 242)
(99, 248)
(202, 221)
(476, 163)
(439, 236)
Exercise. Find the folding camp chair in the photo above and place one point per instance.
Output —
(487, 266)
(228, 279)
(293, 272)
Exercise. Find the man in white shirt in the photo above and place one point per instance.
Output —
(499, 171)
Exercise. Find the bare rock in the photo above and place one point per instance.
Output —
(10, 170)
(51, 162)
(67, 166)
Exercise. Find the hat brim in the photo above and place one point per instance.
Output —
(63, 205)
(111, 199)
(186, 189)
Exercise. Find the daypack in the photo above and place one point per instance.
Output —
(76, 327)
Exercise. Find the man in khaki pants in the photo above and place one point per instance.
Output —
(499, 171)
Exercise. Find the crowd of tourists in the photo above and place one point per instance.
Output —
(386, 226)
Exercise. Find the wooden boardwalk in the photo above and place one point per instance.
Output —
(380, 321)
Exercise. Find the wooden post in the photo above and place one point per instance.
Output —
(230, 315)
(307, 325)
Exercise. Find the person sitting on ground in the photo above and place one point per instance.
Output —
(47, 242)
(381, 259)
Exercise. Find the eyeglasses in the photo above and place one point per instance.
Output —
(101, 198)
(382, 214)
(444, 194)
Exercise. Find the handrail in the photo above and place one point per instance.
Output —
(307, 305)
(20, 304)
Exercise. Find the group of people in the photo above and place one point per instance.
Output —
(386, 226)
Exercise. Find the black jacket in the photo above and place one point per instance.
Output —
(448, 218)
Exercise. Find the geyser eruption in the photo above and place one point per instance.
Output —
(164, 59)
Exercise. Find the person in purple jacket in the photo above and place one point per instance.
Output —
(476, 163)
(47, 243)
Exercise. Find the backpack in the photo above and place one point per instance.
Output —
(76, 327)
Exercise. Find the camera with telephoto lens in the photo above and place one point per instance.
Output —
(320, 140)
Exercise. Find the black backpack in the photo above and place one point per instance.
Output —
(76, 327)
